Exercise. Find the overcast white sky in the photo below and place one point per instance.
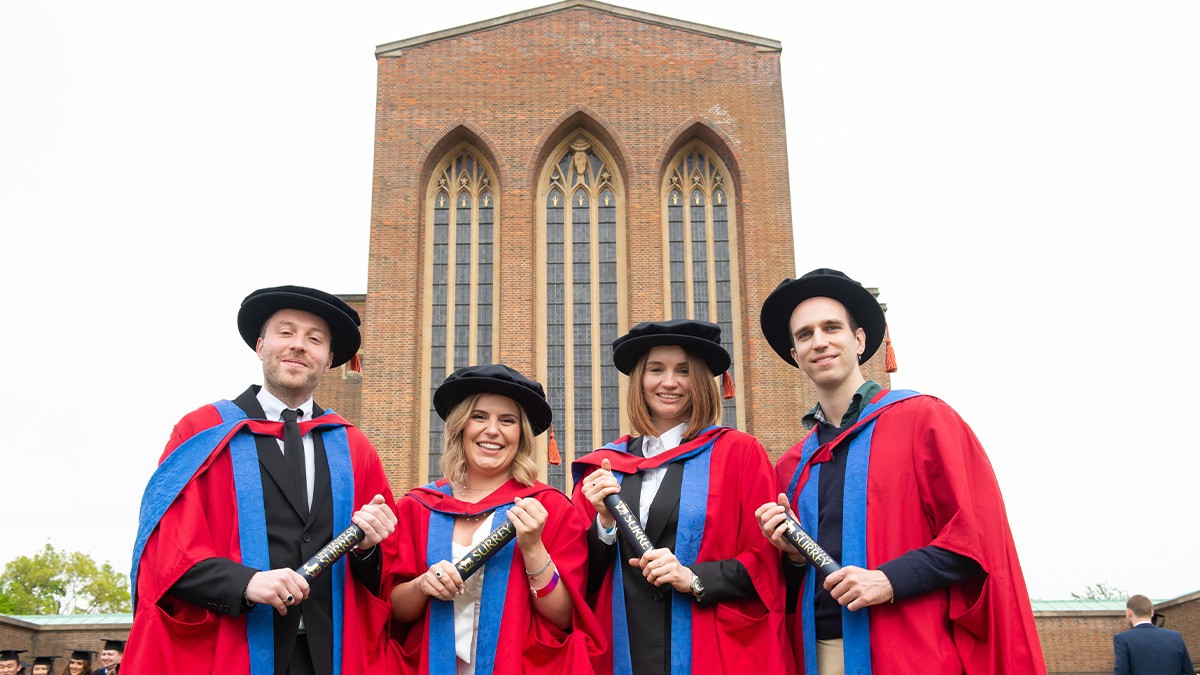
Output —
(1019, 178)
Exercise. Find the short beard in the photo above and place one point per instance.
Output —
(287, 393)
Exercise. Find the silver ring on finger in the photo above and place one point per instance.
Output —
(287, 600)
(437, 573)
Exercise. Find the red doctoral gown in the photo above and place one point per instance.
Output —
(527, 643)
(172, 636)
(930, 482)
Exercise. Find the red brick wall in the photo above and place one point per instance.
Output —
(341, 389)
(58, 640)
(15, 635)
(515, 90)
(1183, 614)
(1079, 642)
(1082, 642)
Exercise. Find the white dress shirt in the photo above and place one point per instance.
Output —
(273, 408)
(652, 479)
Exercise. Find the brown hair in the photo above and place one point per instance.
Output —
(706, 399)
(87, 666)
(454, 456)
(1141, 606)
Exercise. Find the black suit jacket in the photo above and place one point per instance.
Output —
(648, 607)
(1150, 650)
(295, 532)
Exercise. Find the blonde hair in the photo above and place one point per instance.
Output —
(454, 456)
(705, 397)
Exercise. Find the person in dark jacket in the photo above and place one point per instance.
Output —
(1146, 649)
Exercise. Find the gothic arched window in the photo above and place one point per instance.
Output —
(581, 246)
(701, 274)
(460, 287)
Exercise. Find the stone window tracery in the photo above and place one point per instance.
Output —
(698, 237)
(580, 193)
(460, 279)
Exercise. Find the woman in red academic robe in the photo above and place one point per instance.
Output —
(524, 611)
(709, 597)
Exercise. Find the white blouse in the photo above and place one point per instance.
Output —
(466, 604)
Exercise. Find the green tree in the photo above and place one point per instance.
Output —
(61, 582)
(1101, 591)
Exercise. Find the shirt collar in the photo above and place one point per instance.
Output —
(671, 438)
(866, 392)
(273, 407)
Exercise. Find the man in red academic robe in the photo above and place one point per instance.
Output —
(895, 486)
(245, 492)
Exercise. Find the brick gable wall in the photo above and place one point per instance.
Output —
(515, 91)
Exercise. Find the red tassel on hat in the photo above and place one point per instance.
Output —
(552, 455)
(889, 354)
(355, 364)
(727, 391)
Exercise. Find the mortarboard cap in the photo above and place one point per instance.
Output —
(776, 315)
(116, 645)
(695, 337)
(11, 654)
(343, 320)
(495, 378)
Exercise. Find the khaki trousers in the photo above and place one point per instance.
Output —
(830, 660)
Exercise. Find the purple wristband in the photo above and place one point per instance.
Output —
(547, 589)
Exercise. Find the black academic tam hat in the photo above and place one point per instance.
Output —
(342, 319)
(695, 337)
(82, 654)
(44, 661)
(495, 378)
(776, 315)
(11, 654)
(115, 645)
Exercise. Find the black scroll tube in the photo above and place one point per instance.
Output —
(331, 553)
(347, 540)
(628, 523)
(807, 546)
(476, 558)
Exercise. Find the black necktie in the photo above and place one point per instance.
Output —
(293, 452)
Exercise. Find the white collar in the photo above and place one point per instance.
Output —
(273, 408)
(670, 439)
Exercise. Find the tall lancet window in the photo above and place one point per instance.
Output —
(581, 247)
(460, 288)
(701, 280)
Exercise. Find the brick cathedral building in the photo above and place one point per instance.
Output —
(545, 180)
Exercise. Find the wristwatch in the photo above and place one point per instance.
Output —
(697, 587)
